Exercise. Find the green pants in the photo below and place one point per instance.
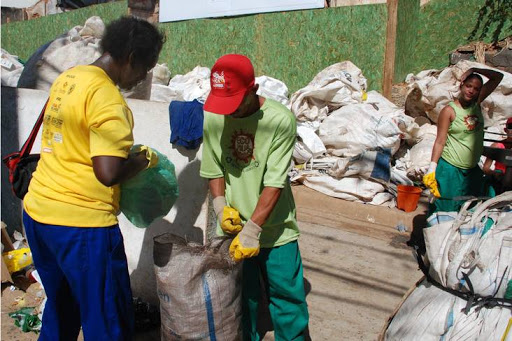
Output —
(281, 268)
(454, 182)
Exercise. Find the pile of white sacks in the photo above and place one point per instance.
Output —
(11, 69)
(468, 252)
(341, 128)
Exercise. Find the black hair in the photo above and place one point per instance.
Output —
(130, 35)
(474, 75)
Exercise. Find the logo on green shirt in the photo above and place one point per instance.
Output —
(242, 146)
(471, 122)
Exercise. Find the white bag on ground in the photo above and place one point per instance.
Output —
(431, 314)
(408, 127)
(11, 69)
(161, 74)
(311, 139)
(163, 93)
(477, 243)
(374, 164)
(420, 155)
(355, 128)
(273, 88)
(348, 188)
(416, 160)
(335, 86)
(199, 288)
(467, 245)
(193, 85)
(80, 46)
(93, 27)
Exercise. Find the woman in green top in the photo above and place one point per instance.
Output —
(454, 170)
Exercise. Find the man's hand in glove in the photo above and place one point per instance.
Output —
(228, 217)
(247, 243)
(429, 180)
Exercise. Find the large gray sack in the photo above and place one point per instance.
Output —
(199, 288)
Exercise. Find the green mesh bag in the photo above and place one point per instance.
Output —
(150, 194)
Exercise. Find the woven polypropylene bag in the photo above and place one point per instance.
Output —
(199, 288)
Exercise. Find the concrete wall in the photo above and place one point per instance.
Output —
(20, 108)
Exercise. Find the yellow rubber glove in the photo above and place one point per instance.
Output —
(247, 243)
(151, 155)
(430, 181)
(231, 222)
(228, 217)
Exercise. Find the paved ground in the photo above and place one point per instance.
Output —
(356, 262)
(357, 268)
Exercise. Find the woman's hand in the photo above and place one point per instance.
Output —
(466, 74)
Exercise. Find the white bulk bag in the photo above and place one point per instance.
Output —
(355, 128)
(193, 85)
(273, 88)
(335, 86)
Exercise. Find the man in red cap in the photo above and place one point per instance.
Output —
(247, 149)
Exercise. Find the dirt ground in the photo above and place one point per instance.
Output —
(27, 294)
(13, 299)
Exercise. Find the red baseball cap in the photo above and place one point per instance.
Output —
(231, 77)
(509, 120)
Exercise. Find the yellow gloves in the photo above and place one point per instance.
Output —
(230, 221)
(151, 155)
(228, 217)
(429, 180)
(247, 243)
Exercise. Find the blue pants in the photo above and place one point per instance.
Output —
(85, 277)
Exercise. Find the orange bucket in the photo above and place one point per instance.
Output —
(408, 197)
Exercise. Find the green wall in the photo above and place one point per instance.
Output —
(294, 46)
(427, 35)
(22, 38)
(291, 46)
(406, 36)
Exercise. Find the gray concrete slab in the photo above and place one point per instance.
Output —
(356, 281)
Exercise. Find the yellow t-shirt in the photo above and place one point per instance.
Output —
(86, 116)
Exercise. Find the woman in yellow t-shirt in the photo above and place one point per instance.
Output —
(70, 210)
(454, 170)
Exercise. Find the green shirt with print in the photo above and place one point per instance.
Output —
(465, 139)
(252, 153)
